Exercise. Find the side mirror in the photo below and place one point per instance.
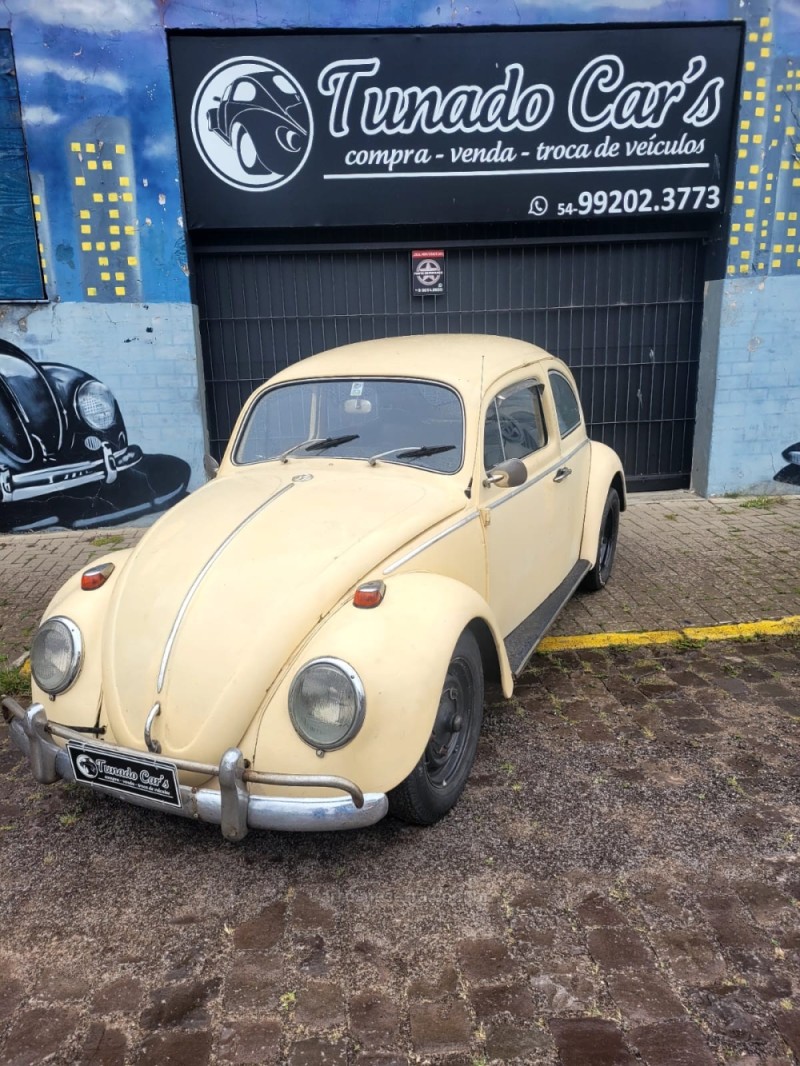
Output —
(210, 465)
(508, 475)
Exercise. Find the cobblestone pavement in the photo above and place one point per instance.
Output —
(682, 560)
(620, 884)
(34, 566)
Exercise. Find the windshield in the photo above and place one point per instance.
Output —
(416, 423)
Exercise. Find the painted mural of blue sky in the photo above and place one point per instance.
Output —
(81, 59)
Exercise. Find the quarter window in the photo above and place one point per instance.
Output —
(514, 425)
(568, 410)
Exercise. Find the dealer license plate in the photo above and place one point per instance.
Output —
(129, 775)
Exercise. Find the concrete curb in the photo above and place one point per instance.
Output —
(739, 631)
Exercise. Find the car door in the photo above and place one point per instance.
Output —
(527, 557)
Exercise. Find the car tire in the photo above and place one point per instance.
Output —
(436, 782)
(598, 576)
(246, 150)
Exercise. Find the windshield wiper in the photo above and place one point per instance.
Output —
(406, 452)
(331, 442)
(318, 444)
(425, 450)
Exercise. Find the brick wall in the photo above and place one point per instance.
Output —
(755, 411)
(145, 353)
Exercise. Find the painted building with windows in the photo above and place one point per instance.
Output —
(150, 248)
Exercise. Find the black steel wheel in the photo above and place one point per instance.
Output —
(598, 576)
(438, 779)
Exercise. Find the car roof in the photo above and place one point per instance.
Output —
(468, 361)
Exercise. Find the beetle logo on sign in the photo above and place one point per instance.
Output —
(252, 123)
(87, 766)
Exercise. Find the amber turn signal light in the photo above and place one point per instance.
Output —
(96, 576)
(369, 594)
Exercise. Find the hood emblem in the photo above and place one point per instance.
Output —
(303, 477)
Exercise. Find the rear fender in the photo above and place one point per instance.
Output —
(605, 473)
(400, 650)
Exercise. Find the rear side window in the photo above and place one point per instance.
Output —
(568, 409)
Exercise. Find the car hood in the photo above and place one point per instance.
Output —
(223, 590)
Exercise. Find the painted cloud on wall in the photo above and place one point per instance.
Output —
(34, 67)
(92, 16)
(40, 115)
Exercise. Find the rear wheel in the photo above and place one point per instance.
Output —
(598, 576)
(246, 150)
(438, 779)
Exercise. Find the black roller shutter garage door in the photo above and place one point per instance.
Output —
(624, 315)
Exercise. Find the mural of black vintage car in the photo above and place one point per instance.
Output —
(790, 474)
(260, 116)
(65, 460)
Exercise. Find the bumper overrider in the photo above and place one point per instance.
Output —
(231, 806)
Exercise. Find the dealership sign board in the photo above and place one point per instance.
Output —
(281, 130)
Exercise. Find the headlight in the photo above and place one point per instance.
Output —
(96, 404)
(327, 703)
(56, 655)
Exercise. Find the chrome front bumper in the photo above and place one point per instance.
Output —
(28, 485)
(232, 806)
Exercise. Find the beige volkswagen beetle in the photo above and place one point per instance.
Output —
(302, 644)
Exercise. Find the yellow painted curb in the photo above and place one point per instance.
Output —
(741, 630)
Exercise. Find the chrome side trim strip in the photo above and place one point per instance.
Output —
(187, 599)
(390, 569)
(540, 477)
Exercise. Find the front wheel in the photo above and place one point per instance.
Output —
(598, 576)
(438, 779)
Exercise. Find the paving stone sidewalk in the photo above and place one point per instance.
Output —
(682, 560)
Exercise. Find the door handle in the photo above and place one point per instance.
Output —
(562, 473)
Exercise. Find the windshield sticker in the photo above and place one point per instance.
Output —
(357, 388)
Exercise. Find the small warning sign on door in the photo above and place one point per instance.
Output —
(427, 272)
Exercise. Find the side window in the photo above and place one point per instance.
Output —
(568, 409)
(514, 425)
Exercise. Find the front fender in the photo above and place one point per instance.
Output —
(605, 471)
(401, 651)
(80, 704)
